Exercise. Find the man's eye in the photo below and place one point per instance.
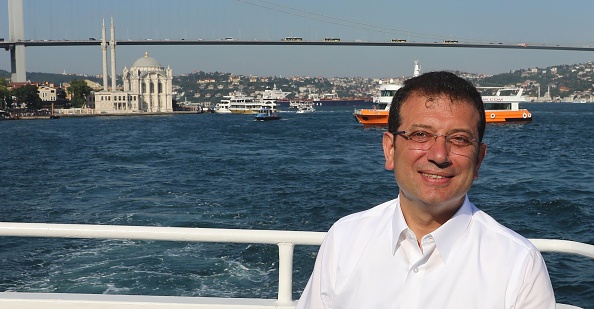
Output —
(460, 140)
(421, 134)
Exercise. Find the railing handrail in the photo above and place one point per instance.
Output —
(564, 246)
(160, 233)
(285, 240)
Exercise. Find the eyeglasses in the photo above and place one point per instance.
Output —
(424, 140)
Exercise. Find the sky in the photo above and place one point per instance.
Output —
(506, 21)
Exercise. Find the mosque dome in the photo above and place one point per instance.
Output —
(147, 61)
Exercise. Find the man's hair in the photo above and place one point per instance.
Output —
(434, 84)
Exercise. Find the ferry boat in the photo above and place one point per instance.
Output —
(500, 107)
(239, 103)
(381, 108)
(504, 105)
(223, 107)
(284, 240)
(378, 116)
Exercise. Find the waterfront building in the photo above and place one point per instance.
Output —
(148, 80)
(48, 93)
(147, 85)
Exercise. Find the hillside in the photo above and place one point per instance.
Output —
(563, 82)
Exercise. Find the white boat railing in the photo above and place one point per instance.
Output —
(285, 240)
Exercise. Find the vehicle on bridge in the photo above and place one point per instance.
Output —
(450, 41)
(331, 40)
(398, 41)
(292, 39)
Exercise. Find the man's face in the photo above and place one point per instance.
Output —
(437, 178)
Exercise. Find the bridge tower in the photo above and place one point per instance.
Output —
(16, 31)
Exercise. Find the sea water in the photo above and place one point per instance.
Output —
(302, 172)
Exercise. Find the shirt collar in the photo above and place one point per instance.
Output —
(446, 236)
(399, 227)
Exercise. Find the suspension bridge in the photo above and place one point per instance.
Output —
(16, 43)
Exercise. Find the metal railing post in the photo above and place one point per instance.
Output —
(285, 273)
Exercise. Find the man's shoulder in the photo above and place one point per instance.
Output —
(496, 230)
(370, 216)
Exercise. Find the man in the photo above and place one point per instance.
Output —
(430, 247)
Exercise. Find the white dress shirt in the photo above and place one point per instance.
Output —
(371, 259)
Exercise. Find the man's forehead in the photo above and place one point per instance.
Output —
(417, 104)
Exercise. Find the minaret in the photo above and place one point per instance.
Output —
(417, 70)
(104, 50)
(112, 43)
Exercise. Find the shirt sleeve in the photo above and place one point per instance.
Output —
(536, 290)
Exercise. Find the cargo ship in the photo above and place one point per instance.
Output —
(334, 101)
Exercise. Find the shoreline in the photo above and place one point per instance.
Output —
(104, 115)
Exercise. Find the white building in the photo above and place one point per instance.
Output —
(147, 85)
(47, 93)
(152, 83)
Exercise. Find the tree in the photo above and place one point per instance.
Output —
(80, 91)
(5, 97)
(29, 95)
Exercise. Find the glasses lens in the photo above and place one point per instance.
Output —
(459, 144)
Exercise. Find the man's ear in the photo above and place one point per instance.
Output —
(388, 145)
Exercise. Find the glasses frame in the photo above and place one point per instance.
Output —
(434, 137)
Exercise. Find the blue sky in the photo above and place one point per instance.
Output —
(507, 21)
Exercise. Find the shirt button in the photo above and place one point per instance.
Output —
(416, 270)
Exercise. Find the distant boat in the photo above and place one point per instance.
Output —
(274, 94)
(223, 107)
(4, 115)
(305, 108)
(239, 103)
(502, 106)
(266, 113)
(378, 115)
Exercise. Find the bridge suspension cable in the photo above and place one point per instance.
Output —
(344, 22)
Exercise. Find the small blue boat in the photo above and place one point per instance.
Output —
(265, 114)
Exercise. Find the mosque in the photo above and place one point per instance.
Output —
(147, 85)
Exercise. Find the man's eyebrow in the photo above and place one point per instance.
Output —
(428, 127)
(422, 126)
(461, 131)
